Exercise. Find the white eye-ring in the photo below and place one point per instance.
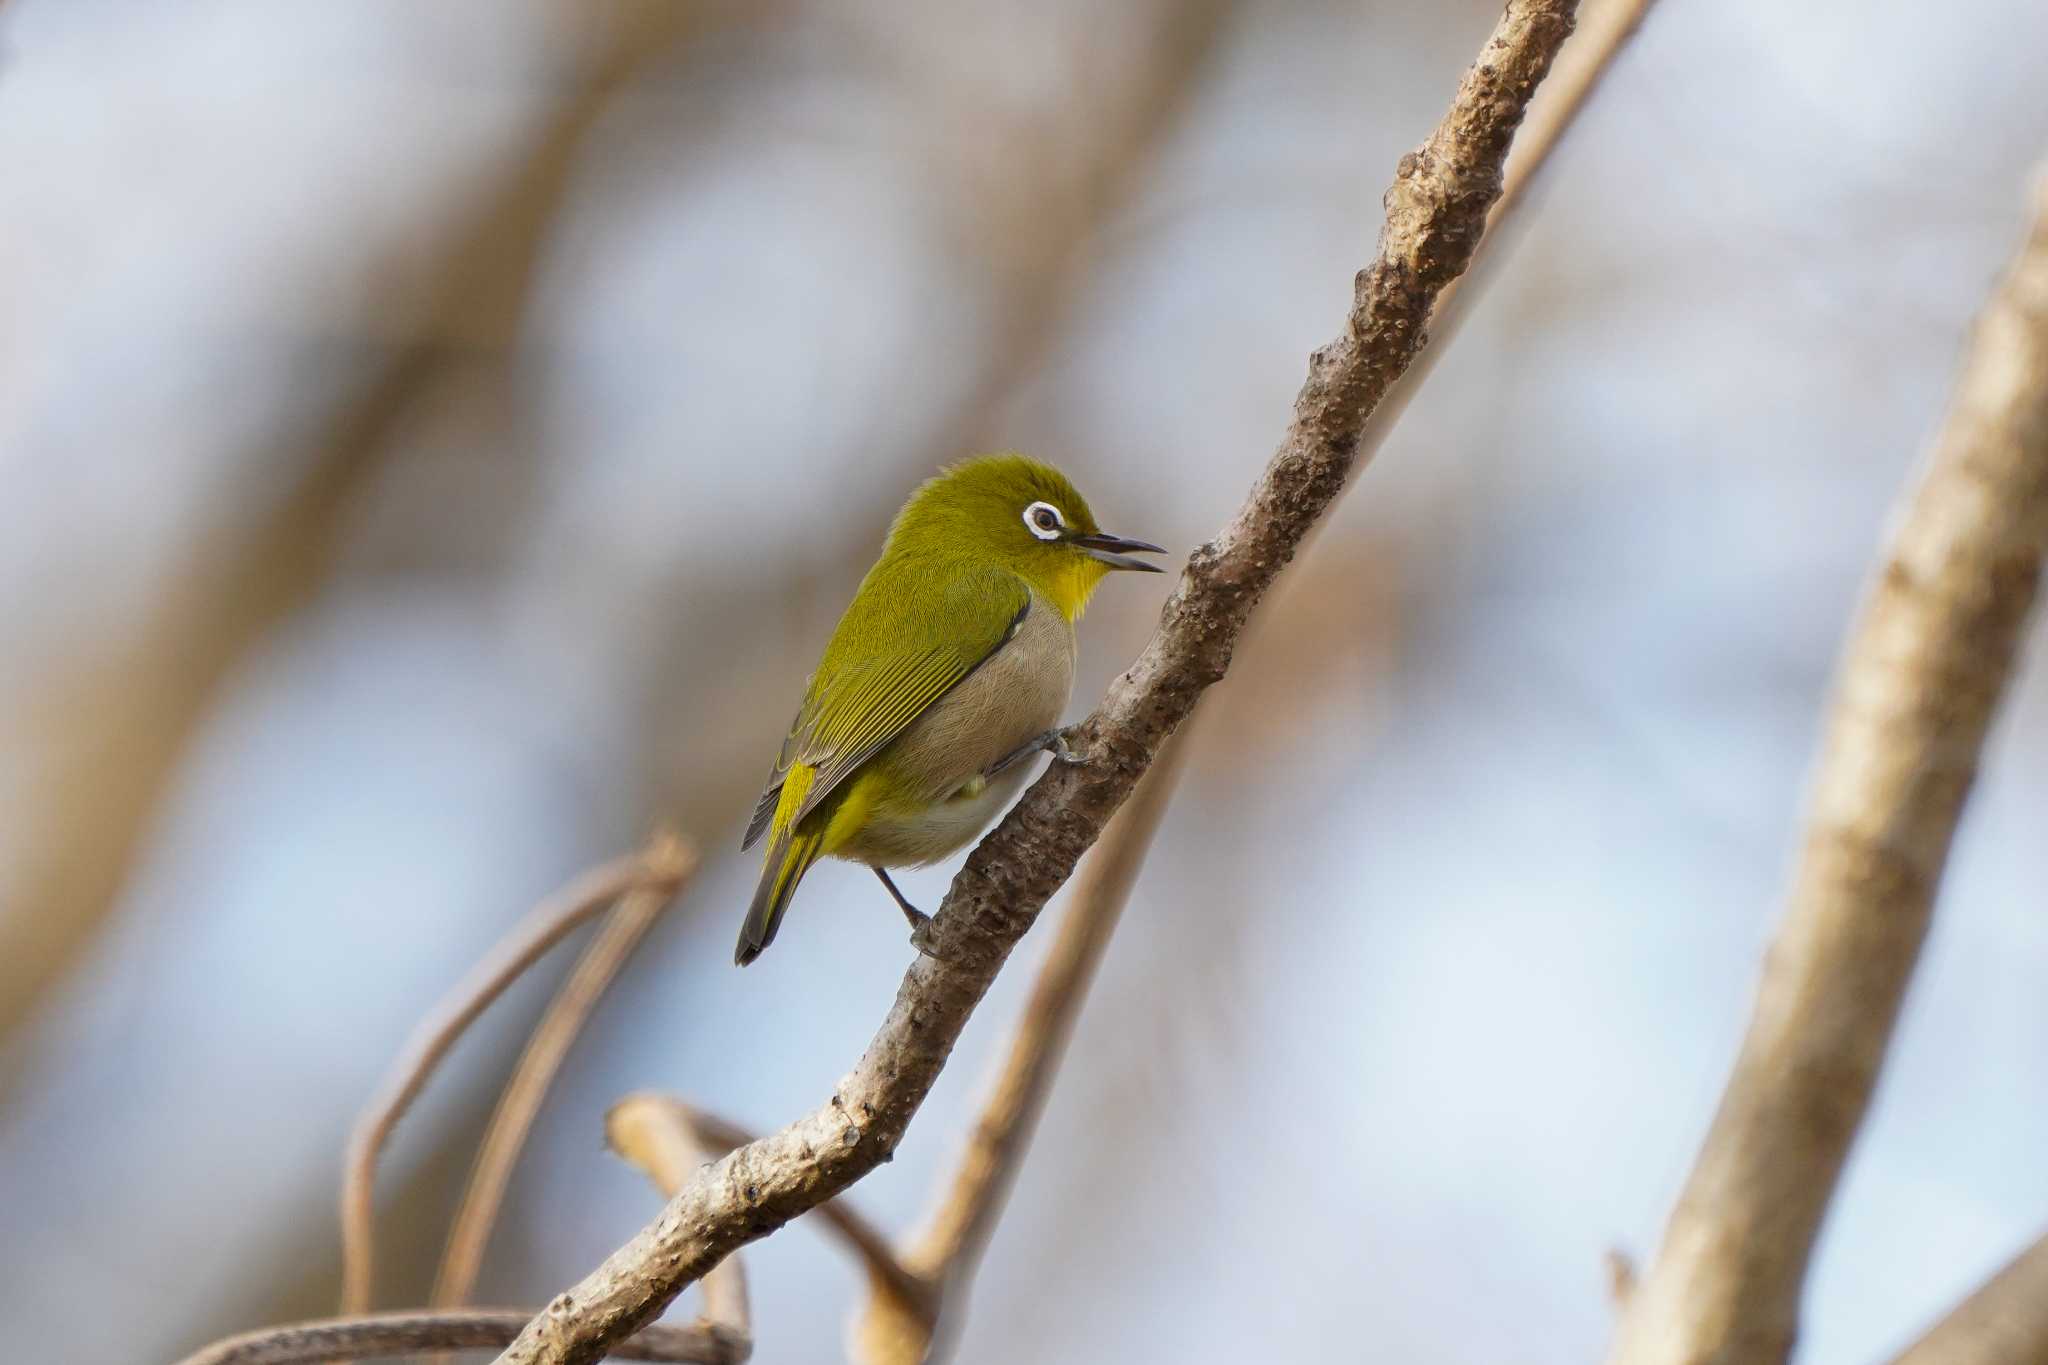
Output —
(1043, 520)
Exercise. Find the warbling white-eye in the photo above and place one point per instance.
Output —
(952, 663)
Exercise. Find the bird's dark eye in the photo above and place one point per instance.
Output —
(1043, 520)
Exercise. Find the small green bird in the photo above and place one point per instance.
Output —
(952, 663)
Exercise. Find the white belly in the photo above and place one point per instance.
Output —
(941, 828)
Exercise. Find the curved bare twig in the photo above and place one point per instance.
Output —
(544, 926)
(537, 1066)
(394, 1334)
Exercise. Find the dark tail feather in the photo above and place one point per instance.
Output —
(789, 857)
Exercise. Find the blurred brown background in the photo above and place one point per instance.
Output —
(436, 440)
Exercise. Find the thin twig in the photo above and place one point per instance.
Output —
(2004, 1323)
(891, 1331)
(722, 1136)
(368, 1335)
(552, 1038)
(667, 1140)
(1621, 1278)
(1917, 686)
(1436, 211)
(544, 926)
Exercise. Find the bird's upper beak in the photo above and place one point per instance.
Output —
(1110, 550)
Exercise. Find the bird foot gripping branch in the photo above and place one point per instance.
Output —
(924, 936)
(1058, 743)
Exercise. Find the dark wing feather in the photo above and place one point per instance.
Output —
(764, 811)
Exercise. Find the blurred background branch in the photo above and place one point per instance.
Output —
(108, 749)
(668, 864)
(642, 884)
(2005, 1321)
(1921, 678)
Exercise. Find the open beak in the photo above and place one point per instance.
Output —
(1111, 551)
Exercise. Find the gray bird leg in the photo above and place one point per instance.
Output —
(918, 918)
(920, 922)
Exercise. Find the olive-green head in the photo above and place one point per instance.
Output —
(1019, 514)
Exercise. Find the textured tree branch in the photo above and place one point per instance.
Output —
(668, 1140)
(720, 1135)
(394, 1334)
(1919, 681)
(894, 1330)
(1436, 211)
(2004, 1323)
(544, 926)
(1604, 28)
(545, 1050)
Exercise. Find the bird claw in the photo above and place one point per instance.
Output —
(924, 936)
(1064, 752)
(1053, 742)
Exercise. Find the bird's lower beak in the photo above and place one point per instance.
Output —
(1111, 551)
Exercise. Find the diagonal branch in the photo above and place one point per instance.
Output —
(982, 1182)
(395, 1334)
(1603, 30)
(627, 1128)
(1436, 211)
(1918, 683)
(2003, 1323)
(946, 1254)
(544, 926)
(538, 1064)
(667, 1140)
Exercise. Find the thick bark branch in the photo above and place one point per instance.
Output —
(2003, 1323)
(1919, 681)
(891, 1330)
(647, 1108)
(666, 1140)
(1603, 30)
(1436, 211)
(997, 1141)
